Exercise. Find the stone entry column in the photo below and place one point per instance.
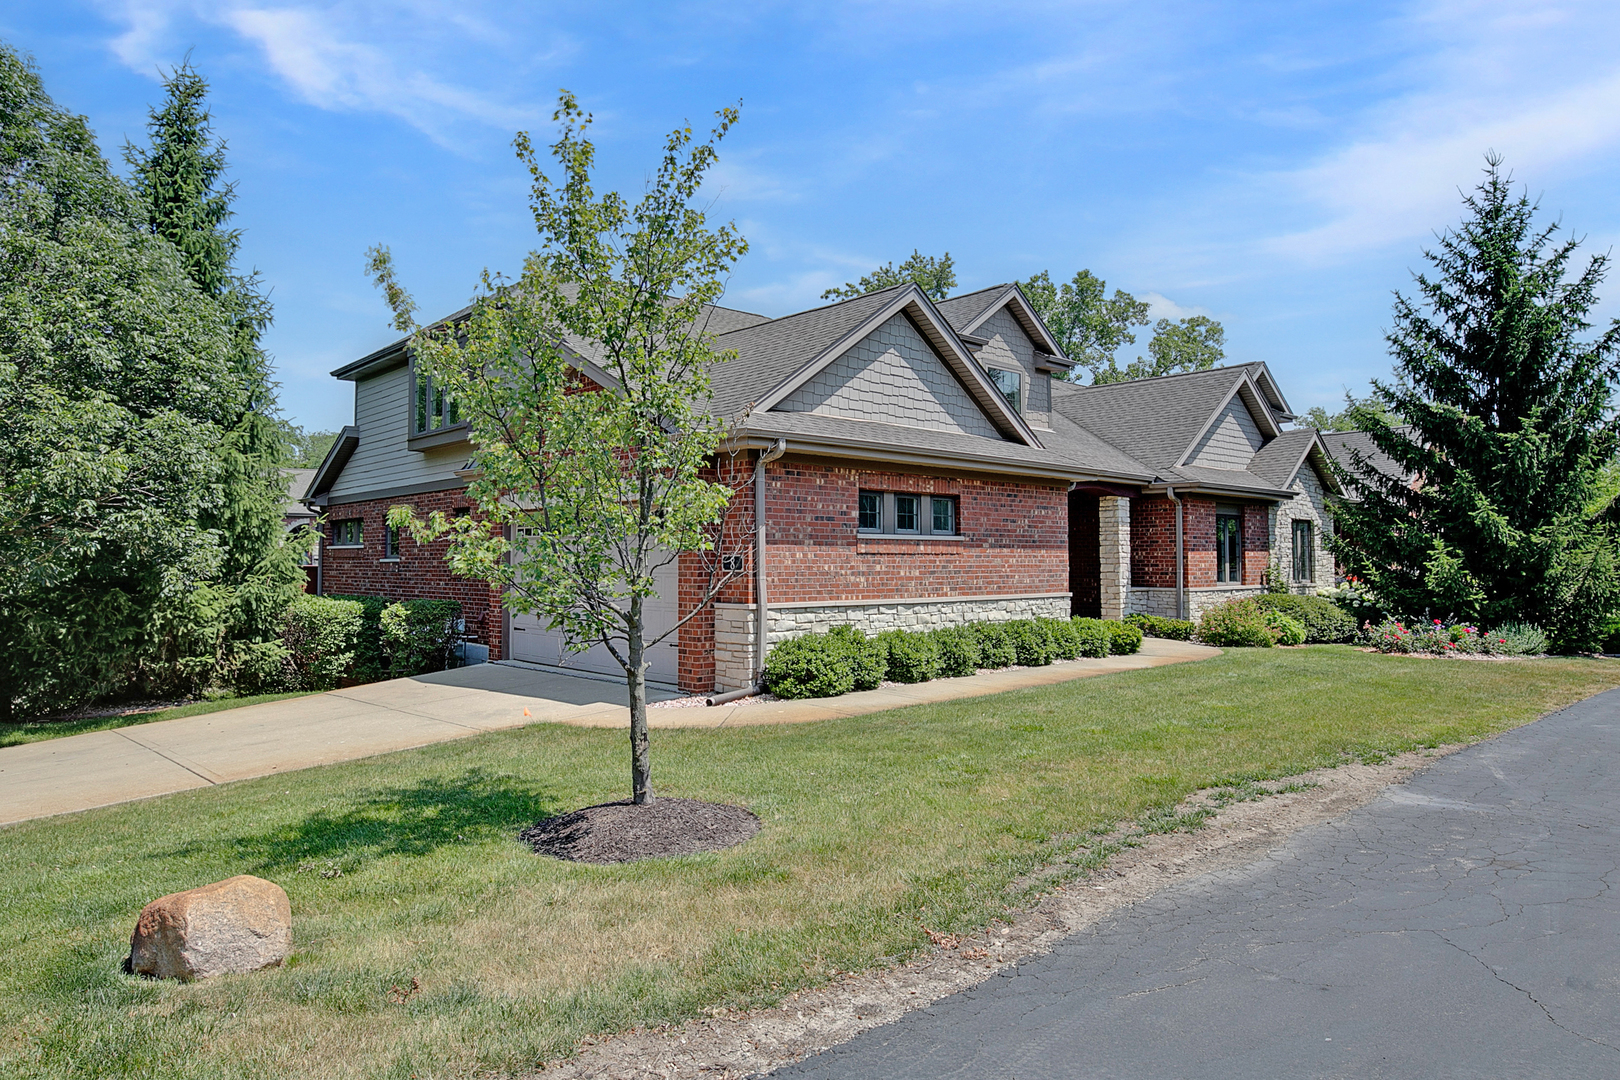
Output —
(1114, 542)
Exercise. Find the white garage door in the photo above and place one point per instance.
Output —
(534, 642)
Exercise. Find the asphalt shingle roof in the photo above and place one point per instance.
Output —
(770, 351)
(1346, 445)
(1276, 460)
(960, 311)
(1152, 420)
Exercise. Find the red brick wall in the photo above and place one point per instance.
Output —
(698, 570)
(1015, 536)
(1256, 544)
(1153, 542)
(420, 573)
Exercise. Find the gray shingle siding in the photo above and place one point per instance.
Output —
(892, 376)
(1011, 348)
(1232, 441)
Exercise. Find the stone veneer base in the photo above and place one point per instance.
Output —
(734, 623)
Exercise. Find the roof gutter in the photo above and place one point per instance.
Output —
(761, 621)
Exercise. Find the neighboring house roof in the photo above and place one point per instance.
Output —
(297, 485)
(1347, 447)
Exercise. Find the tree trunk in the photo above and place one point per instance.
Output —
(636, 676)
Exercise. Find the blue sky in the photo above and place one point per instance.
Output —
(1278, 166)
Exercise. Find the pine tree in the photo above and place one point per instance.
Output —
(181, 181)
(1509, 434)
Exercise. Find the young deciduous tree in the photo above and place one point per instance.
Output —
(936, 277)
(1510, 432)
(584, 492)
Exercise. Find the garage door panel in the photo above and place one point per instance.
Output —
(534, 641)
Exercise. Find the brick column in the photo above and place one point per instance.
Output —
(1114, 544)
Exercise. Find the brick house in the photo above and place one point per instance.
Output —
(918, 464)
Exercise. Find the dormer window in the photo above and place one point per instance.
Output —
(1010, 383)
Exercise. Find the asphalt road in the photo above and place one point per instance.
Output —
(1460, 925)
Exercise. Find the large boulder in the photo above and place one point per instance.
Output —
(240, 924)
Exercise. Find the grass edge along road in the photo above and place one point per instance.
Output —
(430, 943)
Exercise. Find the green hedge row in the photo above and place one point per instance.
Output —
(1161, 627)
(844, 659)
(326, 639)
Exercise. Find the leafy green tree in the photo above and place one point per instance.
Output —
(117, 384)
(937, 277)
(1510, 432)
(1349, 418)
(303, 449)
(180, 179)
(1089, 325)
(590, 492)
(1195, 343)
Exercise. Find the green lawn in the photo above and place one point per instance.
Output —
(37, 730)
(405, 866)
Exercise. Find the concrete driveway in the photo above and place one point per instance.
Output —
(1464, 924)
(79, 772)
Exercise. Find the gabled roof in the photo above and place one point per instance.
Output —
(342, 449)
(1347, 447)
(1280, 460)
(775, 358)
(968, 312)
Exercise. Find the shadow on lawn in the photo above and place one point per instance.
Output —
(411, 820)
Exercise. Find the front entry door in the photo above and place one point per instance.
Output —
(1085, 555)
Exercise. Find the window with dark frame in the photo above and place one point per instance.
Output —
(431, 408)
(1304, 551)
(390, 542)
(898, 513)
(905, 513)
(1010, 384)
(871, 512)
(1228, 549)
(347, 533)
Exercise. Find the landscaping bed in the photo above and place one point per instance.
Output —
(407, 870)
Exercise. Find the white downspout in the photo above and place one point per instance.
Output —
(1181, 548)
(761, 622)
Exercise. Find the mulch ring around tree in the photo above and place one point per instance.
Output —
(618, 832)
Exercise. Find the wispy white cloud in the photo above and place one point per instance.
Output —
(1521, 81)
(349, 57)
(1162, 307)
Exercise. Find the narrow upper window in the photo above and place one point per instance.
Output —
(1228, 549)
(1009, 383)
(871, 511)
(1304, 551)
(347, 533)
(905, 513)
(944, 508)
(431, 408)
(390, 542)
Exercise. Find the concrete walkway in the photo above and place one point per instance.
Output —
(60, 776)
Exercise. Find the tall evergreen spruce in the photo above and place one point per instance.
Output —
(1509, 432)
(180, 179)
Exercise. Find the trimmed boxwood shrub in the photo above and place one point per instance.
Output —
(419, 636)
(1236, 623)
(996, 649)
(814, 665)
(1065, 637)
(912, 657)
(1324, 620)
(1032, 645)
(868, 660)
(370, 662)
(958, 651)
(1123, 638)
(1095, 640)
(1161, 627)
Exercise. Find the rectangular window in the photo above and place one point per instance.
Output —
(347, 533)
(944, 514)
(905, 513)
(1304, 551)
(390, 542)
(1009, 383)
(871, 511)
(1228, 549)
(431, 408)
